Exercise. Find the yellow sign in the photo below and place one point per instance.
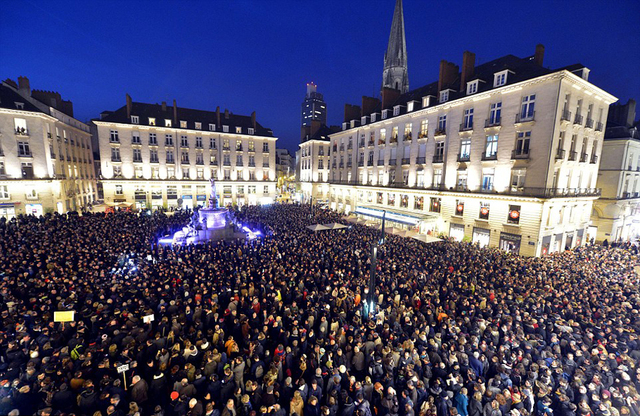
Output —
(63, 316)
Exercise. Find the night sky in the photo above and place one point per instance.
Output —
(258, 55)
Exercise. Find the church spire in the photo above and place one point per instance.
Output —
(395, 73)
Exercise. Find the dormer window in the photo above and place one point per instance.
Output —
(500, 78)
(410, 106)
(396, 110)
(251, 130)
(225, 129)
(363, 120)
(212, 127)
(183, 124)
(373, 117)
(444, 96)
(426, 101)
(135, 120)
(238, 130)
(472, 87)
(385, 114)
(198, 125)
(19, 106)
(152, 121)
(167, 122)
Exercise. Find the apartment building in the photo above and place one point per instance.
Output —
(154, 155)
(616, 215)
(46, 160)
(504, 154)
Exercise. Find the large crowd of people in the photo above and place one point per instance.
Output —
(277, 326)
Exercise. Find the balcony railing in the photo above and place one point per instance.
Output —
(350, 147)
(520, 118)
(464, 157)
(266, 165)
(406, 161)
(370, 143)
(422, 135)
(599, 126)
(578, 119)
(584, 157)
(466, 126)
(493, 156)
(594, 159)
(421, 160)
(589, 123)
(380, 162)
(349, 164)
(560, 154)
(573, 155)
(489, 123)
(515, 154)
(408, 137)
(566, 115)
(392, 162)
(394, 140)
(438, 158)
(361, 163)
(226, 163)
(361, 144)
(21, 131)
(440, 132)
(630, 194)
(114, 159)
(341, 165)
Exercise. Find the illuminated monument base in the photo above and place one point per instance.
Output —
(209, 223)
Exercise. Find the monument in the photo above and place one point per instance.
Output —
(207, 223)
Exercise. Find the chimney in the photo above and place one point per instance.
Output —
(448, 74)
(128, 106)
(23, 86)
(389, 96)
(351, 112)
(539, 55)
(253, 120)
(11, 82)
(164, 106)
(218, 117)
(226, 114)
(468, 65)
(175, 113)
(369, 105)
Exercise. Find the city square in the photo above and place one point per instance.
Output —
(464, 245)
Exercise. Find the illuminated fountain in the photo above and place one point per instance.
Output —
(208, 223)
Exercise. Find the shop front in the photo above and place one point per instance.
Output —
(7, 210)
(33, 209)
(510, 242)
(481, 236)
(187, 202)
(456, 232)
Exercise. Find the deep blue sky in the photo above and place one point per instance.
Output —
(249, 55)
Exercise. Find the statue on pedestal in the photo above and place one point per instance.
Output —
(213, 199)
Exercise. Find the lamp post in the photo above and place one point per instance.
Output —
(369, 306)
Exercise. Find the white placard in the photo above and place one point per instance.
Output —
(149, 318)
(122, 368)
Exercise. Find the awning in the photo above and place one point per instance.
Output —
(426, 238)
(402, 217)
(317, 227)
(334, 226)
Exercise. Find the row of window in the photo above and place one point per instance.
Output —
(197, 125)
(239, 174)
(184, 158)
(114, 137)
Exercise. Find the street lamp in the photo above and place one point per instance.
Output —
(369, 305)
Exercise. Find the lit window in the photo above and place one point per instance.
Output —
(238, 130)
(183, 124)
(198, 125)
(472, 87)
(500, 78)
(167, 123)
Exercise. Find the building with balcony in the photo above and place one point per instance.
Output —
(504, 154)
(156, 155)
(46, 160)
(616, 215)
